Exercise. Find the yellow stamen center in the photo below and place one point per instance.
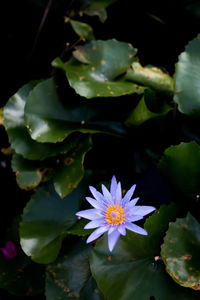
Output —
(115, 215)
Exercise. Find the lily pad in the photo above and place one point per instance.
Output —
(69, 277)
(18, 135)
(51, 117)
(141, 113)
(71, 170)
(187, 78)
(45, 219)
(180, 252)
(100, 77)
(180, 166)
(28, 173)
(134, 270)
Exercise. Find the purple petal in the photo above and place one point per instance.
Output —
(135, 228)
(134, 218)
(129, 194)
(98, 196)
(106, 193)
(90, 214)
(118, 193)
(93, 202)
(9, 251)
(97, 233)
(131, 204)
(112, 239)
(95, 223)
(142, 210)
(113, 186)
(122, 230)
(111, 229)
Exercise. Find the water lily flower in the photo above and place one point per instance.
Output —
(9, 251)
(113, 213)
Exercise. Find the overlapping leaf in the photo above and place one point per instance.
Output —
(18, 134)
(134, 269)
(100, 76)
(180, 166)
(151, 77)
(180, 252)
(69, 277)
(51, 117)
(187, 77)
(141, 113)
(45, 219)
(71, 171)
(28, 173)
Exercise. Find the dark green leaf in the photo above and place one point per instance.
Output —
(69, 277)
(84, 30)
(46, 217)
(71, 170)
(28, 173)
(141, 113)
(19, 137)
(187, 78)
(180, 165)
(51, 117)
(151, 77)
(180, 252)
(134, 269)
(97, 8)
(100, 77)
(78, 228)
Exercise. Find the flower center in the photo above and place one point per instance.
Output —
(115, 215)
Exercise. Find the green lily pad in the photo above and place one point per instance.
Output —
(187, 78)
(28, 173)
(69, 277)
(141, 113)
(45, 219)
(83, 30)
(134, 269)
(100, 77)
(180, 166)
(18, 135)
(152, 77)
(51, 117)
(180, 252)
(78, 228)
(71, 170)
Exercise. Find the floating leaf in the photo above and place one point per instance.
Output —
(100, 77)
(28, 173)
(180, 252)
(19, 137)
(78, 228)
(46, 217)
(51, 117)
(180, 166)
(69, 277)
(152, 77)
(141, 113)
(187, 78)
(134, 269)
(71, 170)
(84, 30)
